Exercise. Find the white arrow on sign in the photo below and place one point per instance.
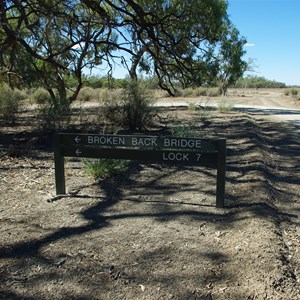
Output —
(78, 152)
(77, 139)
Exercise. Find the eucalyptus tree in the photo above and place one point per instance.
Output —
(177, 40)
(231, 66)
(45, 42)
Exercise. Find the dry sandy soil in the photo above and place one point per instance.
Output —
(154, 232)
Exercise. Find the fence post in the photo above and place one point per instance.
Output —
(221, 169)
(59, 165)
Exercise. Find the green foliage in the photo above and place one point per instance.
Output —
(294, 92)
(231, 65)
(192, 106)
(188, 92)
(52, 117)
(182, 57)
(70, 80)
(48, 45)
(151, 83)
(133, 108)
(198, 92)
(258, 82)
(111, 97)
(103, 168)
(182, 131)
(138, 107)
(9, 102)
(213, 92)
(51, 45)
(88, 94)
(225, 105)
(40, 96)
(104, 82)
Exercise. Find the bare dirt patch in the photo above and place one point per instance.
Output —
(154, 233)
(252, 97)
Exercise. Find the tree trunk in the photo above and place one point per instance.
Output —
(135, 63)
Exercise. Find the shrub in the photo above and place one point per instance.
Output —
(103, 168)
(88, 94)
(197, 92)
(133, 108)
(188, 92)
(52, 116)
(205, 110)
(138, 107)
(294, 92)
(109, 96)
(191, 92)
(258, 82)
(192, 106)
(213, 92)
(41, 96)
(201, 92)
(186, 131)
(9, 102)
(225, 105)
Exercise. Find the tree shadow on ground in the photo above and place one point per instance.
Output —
(252, 149)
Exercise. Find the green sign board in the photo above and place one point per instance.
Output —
(187, 151)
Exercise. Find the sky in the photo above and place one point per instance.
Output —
(272, 30)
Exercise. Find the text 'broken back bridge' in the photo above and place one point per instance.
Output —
(175, 150)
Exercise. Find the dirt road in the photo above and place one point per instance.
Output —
(268, 102)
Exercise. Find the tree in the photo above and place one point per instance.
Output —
(170, 38)
(45, 42)
(231, 66)
(51, 40)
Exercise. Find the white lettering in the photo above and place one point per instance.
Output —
(122, 141)
(174, 143)
(147, 142)
(176, 156)
(144, 142)
(154, 142)
(134, 141)
(106, 140)
(198, 144)
(185, 157)
(181, 143)
(166, 142)
(103, 140)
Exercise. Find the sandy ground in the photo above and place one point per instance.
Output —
(268, 102)
(154, 232)
(239, 97)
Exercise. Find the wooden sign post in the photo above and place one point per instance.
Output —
(186, 151)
